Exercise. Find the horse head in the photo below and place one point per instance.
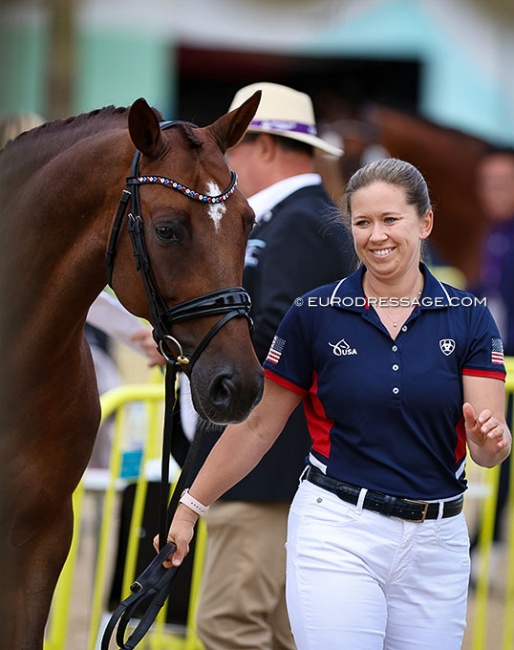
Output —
(190, 244)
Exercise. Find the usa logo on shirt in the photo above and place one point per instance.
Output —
(275, 351)
(342, 349)
(496, 351)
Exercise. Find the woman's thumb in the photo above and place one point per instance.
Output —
(469, 415)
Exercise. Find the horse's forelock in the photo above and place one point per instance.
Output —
(190, 135)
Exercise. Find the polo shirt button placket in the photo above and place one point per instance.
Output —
(395, 367)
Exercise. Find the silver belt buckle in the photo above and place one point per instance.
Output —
(425, 505)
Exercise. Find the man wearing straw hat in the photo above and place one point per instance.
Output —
(296, 245)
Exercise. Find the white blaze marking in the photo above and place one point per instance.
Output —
(216, 210)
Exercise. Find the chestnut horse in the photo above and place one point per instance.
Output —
(60, 187)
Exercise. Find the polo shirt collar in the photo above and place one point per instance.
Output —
(434, 296)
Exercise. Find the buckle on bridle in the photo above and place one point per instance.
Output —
(180, 358)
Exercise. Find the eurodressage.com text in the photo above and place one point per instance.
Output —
(360, 301)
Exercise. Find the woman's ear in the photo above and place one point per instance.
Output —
(426, 224)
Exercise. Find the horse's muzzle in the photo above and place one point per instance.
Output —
(227, 397)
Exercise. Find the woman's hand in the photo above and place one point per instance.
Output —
(144, 338)
(180, 533)
(223, 468)
(488, 436)
(484, 430)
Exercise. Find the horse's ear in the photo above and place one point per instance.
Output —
(230, 128)
(144, 128)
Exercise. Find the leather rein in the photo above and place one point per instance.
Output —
(152, 586)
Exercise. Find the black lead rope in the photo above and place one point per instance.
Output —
(152, 587)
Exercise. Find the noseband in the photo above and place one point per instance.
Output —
(229, 303)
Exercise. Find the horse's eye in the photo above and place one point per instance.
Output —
(168, 233)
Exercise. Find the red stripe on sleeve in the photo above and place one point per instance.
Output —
(492, 374)
(284, 382)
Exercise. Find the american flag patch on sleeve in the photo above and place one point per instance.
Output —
(497, 351)
(275, 351)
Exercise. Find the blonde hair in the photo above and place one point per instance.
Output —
(13, 125)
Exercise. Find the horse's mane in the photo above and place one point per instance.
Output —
(92, 121)
(97, 119)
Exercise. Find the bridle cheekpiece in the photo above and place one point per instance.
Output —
(229, 303)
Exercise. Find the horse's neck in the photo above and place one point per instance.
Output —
(56, 222)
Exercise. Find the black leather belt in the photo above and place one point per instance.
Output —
(385, 504)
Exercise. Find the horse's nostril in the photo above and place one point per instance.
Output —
(222, 391)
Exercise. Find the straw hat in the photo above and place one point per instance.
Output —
(285, 112)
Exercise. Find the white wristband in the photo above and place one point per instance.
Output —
(192, 503)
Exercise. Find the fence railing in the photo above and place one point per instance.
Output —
(479, 621)
(135, 458)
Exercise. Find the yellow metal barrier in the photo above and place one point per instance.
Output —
(482, 600)
(58, 627)
(508, 626)
(115, 402)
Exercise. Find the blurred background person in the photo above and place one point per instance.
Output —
(108, 322)
(495, 194)
(495, 190)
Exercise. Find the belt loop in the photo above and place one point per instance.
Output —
(360, 500)
(441, 510)
(303, 475)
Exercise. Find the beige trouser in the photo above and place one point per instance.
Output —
(242, 603)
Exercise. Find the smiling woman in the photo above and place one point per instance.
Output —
(392, 408)
(387, 207)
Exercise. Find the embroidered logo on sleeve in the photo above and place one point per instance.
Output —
(497, 351)
(275, 351)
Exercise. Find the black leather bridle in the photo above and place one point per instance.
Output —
(152, 587)
(230, 302)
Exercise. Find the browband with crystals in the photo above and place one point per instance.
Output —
(192, 194)
(284, 125)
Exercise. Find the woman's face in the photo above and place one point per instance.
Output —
(387, 231)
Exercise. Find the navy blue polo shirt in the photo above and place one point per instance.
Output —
(386, 414)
